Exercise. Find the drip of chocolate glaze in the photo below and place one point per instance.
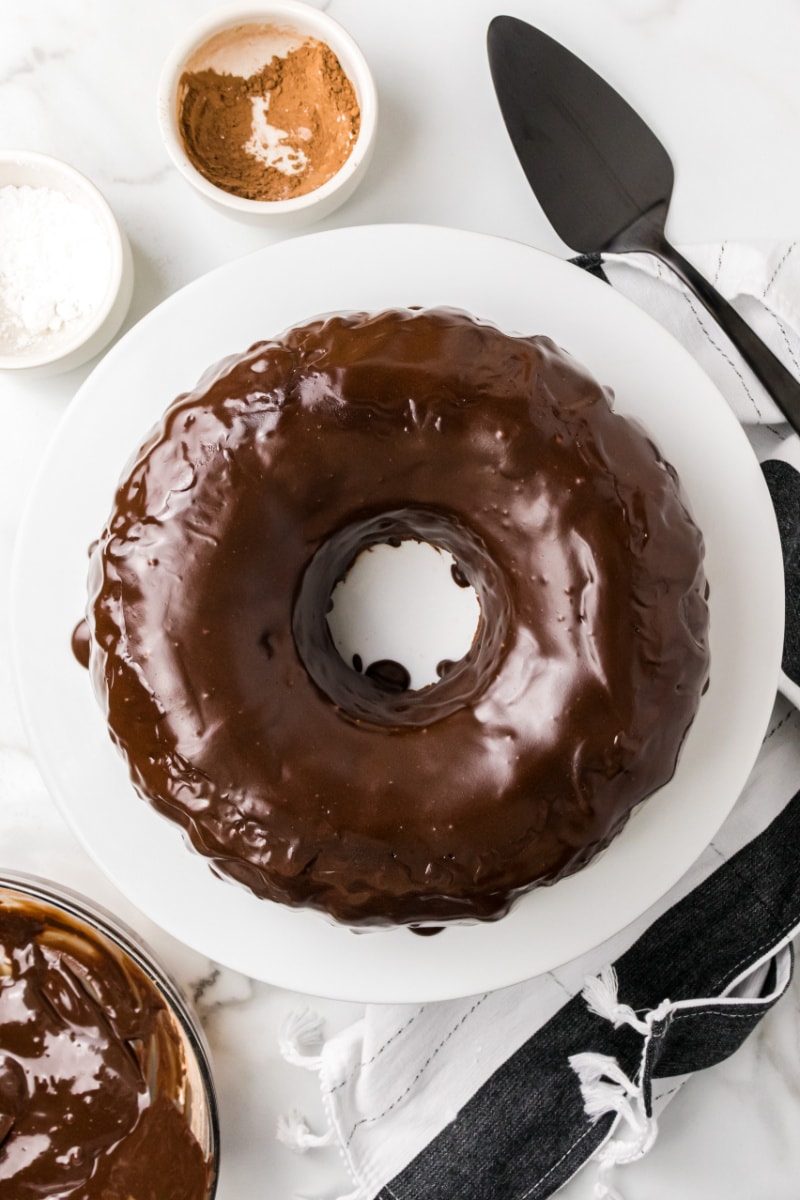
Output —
(388, 675)
(81, 643)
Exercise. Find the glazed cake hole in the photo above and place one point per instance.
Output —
(404, 614)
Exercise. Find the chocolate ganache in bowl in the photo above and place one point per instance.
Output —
(105, 1086)
(316, 782)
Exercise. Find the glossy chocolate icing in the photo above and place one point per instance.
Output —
(94, 1102)
(309, 782)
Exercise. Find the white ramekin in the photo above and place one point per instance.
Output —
(303, 19)
(49, 355)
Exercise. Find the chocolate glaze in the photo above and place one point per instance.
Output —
(82, 643)
(304, 779)
(94, 1103)
(389, 675)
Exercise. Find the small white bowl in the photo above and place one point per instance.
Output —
(80, 341)
(286, 16)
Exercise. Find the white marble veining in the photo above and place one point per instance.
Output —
(719, 83)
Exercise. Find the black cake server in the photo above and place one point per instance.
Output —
(601, 175)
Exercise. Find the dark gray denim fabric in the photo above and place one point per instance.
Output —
(784, 487)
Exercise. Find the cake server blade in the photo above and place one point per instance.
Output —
(601, 175)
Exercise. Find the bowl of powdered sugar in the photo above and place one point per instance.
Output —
(66, 272)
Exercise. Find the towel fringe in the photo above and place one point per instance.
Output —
(294, 1132)
(301, 1030)
(603, 1189)
(600, 994)
(606, 1088)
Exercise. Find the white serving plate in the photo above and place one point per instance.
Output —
(524, 291)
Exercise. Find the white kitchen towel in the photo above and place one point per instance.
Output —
(503, 1096)
(760, 281)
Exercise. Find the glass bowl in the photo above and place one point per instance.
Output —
(99, 1036)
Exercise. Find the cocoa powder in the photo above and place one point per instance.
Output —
(275, 134)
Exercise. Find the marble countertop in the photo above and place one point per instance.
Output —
(719, 84)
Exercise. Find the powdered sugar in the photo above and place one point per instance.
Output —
(54, 266)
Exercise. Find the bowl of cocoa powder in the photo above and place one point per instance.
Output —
(269, 110)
